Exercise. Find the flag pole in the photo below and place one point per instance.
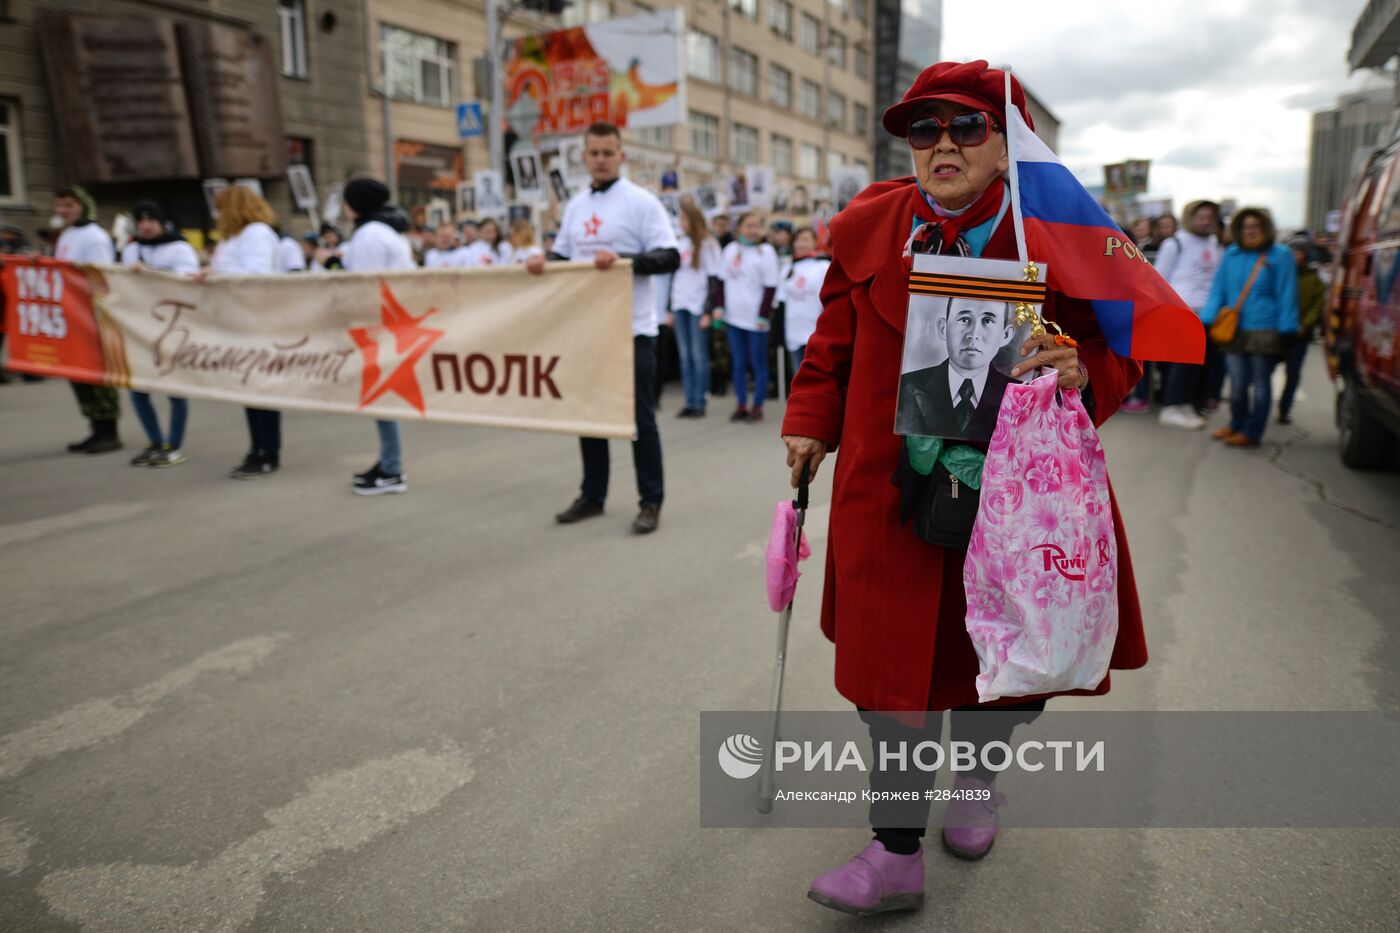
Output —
(1015, 175)
(1024, 312)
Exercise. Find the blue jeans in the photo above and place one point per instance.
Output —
(694, 345)
(749, 349)
(1249, 376)
(390, 451)
(146, 412)
(1293, 368)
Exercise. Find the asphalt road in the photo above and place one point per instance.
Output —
(271, 705)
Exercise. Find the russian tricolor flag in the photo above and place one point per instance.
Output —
(1089, 257)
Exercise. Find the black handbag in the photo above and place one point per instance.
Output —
(941, 509)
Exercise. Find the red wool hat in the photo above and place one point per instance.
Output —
(971, 84)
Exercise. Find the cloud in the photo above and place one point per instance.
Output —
(1219, 98)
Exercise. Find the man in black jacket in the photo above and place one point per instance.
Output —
(616, 219)
(960, 397)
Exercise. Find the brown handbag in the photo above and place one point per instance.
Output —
(1228, 321)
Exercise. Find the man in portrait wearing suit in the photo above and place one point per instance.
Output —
(960, 397)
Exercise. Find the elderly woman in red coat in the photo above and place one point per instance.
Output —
(894, 604)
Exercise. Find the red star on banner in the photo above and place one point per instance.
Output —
(591, 226)
(398, 337)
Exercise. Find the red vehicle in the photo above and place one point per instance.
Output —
(1362, 326)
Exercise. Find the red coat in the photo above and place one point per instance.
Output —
(893, 604)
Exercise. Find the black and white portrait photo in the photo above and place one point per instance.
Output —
(959, 350)
(466, 199)
(490, 198)
(559, 186)
(529, 176)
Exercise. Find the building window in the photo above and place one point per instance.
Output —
(780, 18)
(836, 49)
(658, 137)
(809, 162)
(862, 62)
(743, 145)
(836, 109)
(746, 8)
(11, 155)
(583, 12)
(419, 68)
(292, 14)
(743, 72)
(860, 9)
(809, 37)
(779, 86)
(298, 150)
(860, 119)
(704, 135)
(834, 161)
(780, 154)
(809, 103)
(702, 55)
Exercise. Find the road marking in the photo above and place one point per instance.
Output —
(15, 532)
(14, 847)
(94, 721)
(343, 810)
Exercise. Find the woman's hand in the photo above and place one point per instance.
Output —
(802, 450)
(704, 322)
(1064, 360)
(201, 275)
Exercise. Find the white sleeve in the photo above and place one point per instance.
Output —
(657, 231)
(259, 249)
(100, 248)
(770, 267)
(563, 241)
(131, 253)
(185, 260)
(713, 260)
(506, 251)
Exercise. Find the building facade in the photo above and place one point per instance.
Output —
(782, 83)
(130, 98)
(1340, 139)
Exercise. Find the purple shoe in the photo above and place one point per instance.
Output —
(970, 826)
(874, 882)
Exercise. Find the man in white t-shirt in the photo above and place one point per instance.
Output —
(83, 240)
(611, 220)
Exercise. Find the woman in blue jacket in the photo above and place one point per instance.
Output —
(1269, 312)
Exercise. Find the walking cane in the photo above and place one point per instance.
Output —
(765, 784)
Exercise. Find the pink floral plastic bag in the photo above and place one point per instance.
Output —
(781, 560)
(1041, 574)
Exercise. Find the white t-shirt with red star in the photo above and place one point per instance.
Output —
(628, 220)
(801, 292)
(747, 271)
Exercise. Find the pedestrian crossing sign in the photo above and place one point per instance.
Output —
(469, 122)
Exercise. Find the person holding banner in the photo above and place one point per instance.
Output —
(83, 241)
(612, 220)
(248, 245)
(158, 245)
(378, 245)
(894, 604)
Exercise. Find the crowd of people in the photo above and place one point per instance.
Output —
(1218, 264)
(716, 310)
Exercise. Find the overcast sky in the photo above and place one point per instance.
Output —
(1217, 94)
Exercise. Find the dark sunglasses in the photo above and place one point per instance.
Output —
(964, 129)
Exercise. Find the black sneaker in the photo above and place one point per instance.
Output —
(367, 475)
(81, 447)
(580, 509)
(252, 467)
(145, 457)
(378, 483)
(740, 414)
(687, 413)
(755, 415)
(167, 456)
